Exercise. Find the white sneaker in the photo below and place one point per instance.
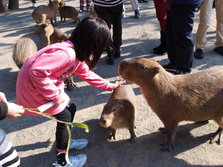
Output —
(76, 161)
(78, 144)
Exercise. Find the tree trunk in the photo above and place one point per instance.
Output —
(13, 4)
(3, 6)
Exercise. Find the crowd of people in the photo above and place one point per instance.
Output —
(41, 79)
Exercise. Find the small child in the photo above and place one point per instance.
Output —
(41, 79)
(88, 3)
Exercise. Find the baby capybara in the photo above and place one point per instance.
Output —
(174, 98)
(58, 36)
(68, 12)
(119, 112)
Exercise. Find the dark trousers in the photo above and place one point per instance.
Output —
(112, 16)
(180, 43)
(66, 115)
(33, 1)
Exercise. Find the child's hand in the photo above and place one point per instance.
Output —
(14, 111)
(2, 97)
(119, 83)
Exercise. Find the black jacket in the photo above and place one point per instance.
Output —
(3, 110)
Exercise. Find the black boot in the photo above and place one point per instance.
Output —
(111, 55)
(162, 47)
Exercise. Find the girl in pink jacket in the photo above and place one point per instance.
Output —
(41, 79)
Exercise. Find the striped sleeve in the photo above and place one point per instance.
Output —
(8, 155)
(107, 3)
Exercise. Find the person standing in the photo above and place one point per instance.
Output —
(180, 44)
(205, 21)
(8, 155)
(111, 13)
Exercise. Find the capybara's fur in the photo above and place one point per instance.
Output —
(92, 12)
(43, 12)
(58, 36)
(31, 43)
(68, 12)
(119, 112)
(174, 98)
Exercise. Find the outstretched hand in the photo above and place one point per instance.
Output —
(119, 83)
(2, 97)
(14, 111)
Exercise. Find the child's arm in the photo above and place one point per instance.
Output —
(95, 80)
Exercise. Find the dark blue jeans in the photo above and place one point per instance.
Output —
(180, 42)
(33, 1)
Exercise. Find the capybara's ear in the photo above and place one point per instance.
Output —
(155, 70)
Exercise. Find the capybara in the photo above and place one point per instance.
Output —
(119, 111)
(58, 36)
(31, 43)
(92, 12)
(43, 12)
(174, 98)
(68, 12)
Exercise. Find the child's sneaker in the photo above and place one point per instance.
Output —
(78, 144)
(76, 161)
(81, 10)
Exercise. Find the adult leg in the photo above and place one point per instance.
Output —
(81, 5)
(88, 4)
(171, 53)
(116, 17)
(104, 13)
(219, 31)
(182, 26)
(161, 7)
(205, 20)
(135, 7)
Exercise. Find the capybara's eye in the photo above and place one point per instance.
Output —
(114, 109)
(143, 67)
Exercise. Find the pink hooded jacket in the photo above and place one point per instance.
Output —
(42, 77)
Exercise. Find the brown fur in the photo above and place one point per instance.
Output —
(58, 36)
(31, 43)
(43, 12)
(68, 12)
(119, 112)
(174, 98)
(92, 12)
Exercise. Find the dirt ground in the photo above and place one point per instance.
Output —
(34, 139)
